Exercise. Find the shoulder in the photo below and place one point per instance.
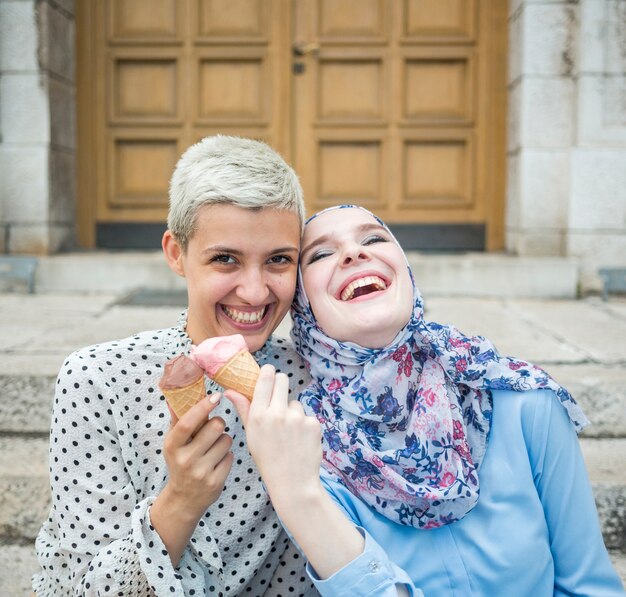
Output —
(144, 347)
(538, 414)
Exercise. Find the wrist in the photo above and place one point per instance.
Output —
(176, 507)
(306, 497)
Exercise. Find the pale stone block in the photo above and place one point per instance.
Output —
(515, 47)
(24, 183)
(531, 243)
(513, 116)
(592, 331)
(25, 488)
(18, 36)
(598, 193)
(549, 39)
(512, 240)
(62, 206)
(61, 237)
(24, 114)
(512, 215)
(30, 239)
(615, 100)
(500, 321)
(18, 563)
(62, 114)
(106, 272)
(544, 188)
(27, 402)
(56, 41)
(593, 33)
(616, 38)
(594, 130)
(599, 389)
(493, 275)
(595, 251)
(547, 112)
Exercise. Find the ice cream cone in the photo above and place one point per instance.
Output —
(240, 373)
(182, 399)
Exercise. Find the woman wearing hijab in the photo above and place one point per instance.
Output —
(446, 468)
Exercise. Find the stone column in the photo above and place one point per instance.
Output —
(542, 61)
(566, 191)
(597, 203)
(37, 125)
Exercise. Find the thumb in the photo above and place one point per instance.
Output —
(242, 404)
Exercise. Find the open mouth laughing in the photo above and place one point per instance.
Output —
(362, 286)
(245, 317)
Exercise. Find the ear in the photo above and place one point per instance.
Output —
(173, 253)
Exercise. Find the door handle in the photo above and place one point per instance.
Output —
(312, 47)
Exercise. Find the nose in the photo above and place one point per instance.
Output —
(354, 253)
(252, 287)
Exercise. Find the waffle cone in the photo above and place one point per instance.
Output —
(182, 399)
(240, 373)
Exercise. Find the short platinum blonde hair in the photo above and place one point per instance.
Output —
(230, 170)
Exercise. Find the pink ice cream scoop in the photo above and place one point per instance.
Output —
(226, 360)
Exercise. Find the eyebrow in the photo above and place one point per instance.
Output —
(320, 240)
(230, 250)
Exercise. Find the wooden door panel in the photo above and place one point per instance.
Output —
(145, 20)
(349, 166)
(231, 88)
(156, 76)
(438, 86)
(437, 172)
(398, 105)
(350, 90)
(144, 88)
(439, 20)
(387, 109)
(140, 165)
(346, 20)
(228, 19)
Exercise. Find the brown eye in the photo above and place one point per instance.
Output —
(224, 258)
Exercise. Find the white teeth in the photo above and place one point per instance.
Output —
(348, 291)
(244, 316)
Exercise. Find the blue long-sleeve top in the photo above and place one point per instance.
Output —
(534, 531)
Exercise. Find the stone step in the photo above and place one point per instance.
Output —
(469, 274)
(18, 563)
(26, 399)
(25, 495)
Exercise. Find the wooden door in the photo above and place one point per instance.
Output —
(155, 76)
(397, 105)
(400, 108)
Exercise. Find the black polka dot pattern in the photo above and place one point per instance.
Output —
(107, 467)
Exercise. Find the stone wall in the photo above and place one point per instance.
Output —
(37, 126)
(566, 193)
(567, 132)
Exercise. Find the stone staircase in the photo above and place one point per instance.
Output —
(579, 342)
(24, 492)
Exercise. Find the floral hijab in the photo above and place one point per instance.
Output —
(405, 427)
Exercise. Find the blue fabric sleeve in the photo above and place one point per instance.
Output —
(582, 564)
(371, 573)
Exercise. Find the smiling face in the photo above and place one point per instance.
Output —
(356, 278)
(240, 266)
